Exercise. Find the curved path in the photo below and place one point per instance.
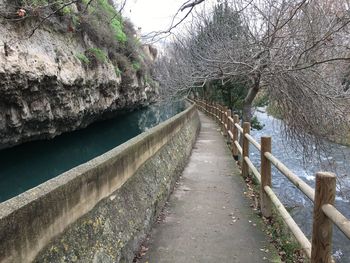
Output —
(208, 218)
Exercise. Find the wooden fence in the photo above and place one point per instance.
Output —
(319, 250)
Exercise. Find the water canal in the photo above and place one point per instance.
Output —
(28, 165)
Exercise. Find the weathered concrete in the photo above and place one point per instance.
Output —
(100, 210)
(208, 217)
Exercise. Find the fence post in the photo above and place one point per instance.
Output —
(245, 149)
(224, 119)
(229, 124)
(235, 137)
(322, 226)
(265, 171)
(217, 112)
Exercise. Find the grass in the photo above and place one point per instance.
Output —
(280, 236)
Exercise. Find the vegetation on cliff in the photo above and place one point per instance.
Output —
(65, 64)
(110, 36)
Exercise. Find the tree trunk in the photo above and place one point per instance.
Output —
(248, 100)
(247, 104)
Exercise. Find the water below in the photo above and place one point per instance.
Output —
(337, 161)
(28, 165)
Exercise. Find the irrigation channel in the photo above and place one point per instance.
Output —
(301, 207)
(28, 165)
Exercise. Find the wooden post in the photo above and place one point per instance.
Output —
(217, 111)
(224, 120)
(322, 226)
(265, 171)
(235, 137)
(224, 109)
(245, 149)
(228, 124)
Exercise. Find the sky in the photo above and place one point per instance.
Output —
(151, 15)
(156, 15)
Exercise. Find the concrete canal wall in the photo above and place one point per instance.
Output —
(101, 210)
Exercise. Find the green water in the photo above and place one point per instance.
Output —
(30, 164)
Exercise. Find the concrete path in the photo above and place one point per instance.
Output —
(208, 218)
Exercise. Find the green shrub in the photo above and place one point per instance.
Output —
(84, 59)
(66, 10)
(117, 27)
(107, 7)
(75, 20)
(256, 124)
(118, 72)
(136, 66)
(97, 53)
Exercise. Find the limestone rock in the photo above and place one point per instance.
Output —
(46, 90)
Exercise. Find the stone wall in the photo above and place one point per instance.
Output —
(101, 210)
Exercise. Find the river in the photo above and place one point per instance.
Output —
(28, 165)
(337, 161)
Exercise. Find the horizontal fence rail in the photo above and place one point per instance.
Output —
(325, 214)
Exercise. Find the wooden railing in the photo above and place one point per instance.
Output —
(319, 250)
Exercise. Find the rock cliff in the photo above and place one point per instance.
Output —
(61, 78)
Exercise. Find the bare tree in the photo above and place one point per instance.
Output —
(297, 51)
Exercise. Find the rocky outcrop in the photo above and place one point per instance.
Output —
(45, 89)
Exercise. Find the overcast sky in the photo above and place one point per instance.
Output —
(152, 15)
(155, 15)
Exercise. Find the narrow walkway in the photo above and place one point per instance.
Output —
(208, 218)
